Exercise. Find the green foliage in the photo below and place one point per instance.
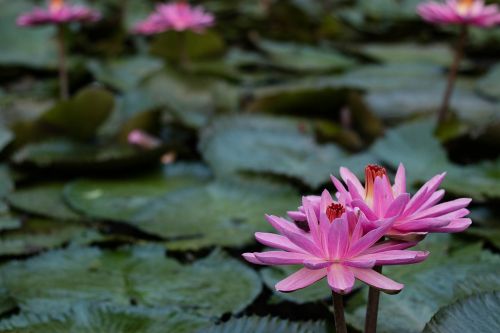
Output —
(478, 313)
(265, 325)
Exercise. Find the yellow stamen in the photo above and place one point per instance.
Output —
(464, 6)
(56, 4)
(372, 171)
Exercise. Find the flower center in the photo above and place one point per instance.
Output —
(334, 210)
(464, 6)
(372, 171)
(56, 5)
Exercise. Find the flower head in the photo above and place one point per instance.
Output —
(179, 16)
(58, 12)
(335, 247)
(421, 213)
(466, 12)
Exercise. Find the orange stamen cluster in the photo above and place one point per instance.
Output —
(56, 4)
(372, 171)
(334, 211)
(465, 5)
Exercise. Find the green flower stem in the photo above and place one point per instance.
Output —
(459, 53)
(63, 72)
(338, 311)
(372, 307)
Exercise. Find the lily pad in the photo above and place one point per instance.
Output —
(89, 317)
(478, 313)
(190, 216)
(125, 74)
(488, 85)
(5, 137)
(266, 325)
(43, 200)
(437, 54)
(141, 275)
(37, 235)
(223, 144)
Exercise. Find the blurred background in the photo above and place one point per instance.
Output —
(101, 230)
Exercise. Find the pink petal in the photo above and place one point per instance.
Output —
(377, 280)
(455, 226)
(316, 263)
(397, 206)
(361, 204)
(250, 257)
(280, 224)
(282, 257)
(393, 257)
(444, 208)
(300, 279)
(422, 225)
(369, 239)
(338, 238)
(349, 177)
(390, 245)
(302, 241)
(400, 181)
(340, 279)
(277, 241)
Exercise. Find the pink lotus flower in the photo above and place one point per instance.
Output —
(335, 247)
(465, 12)
(178, 16)
(58, 13)
(143, 139)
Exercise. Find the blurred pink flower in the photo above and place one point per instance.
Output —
(335, 247)
(465, 12)
(143, 139)
(58, 13)
(179, 16)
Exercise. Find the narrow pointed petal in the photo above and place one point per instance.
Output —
(282, 257)
(316, 263)
(444, 208)
(277, 241)
(340, 279)
(280, 224)
(312, 221)
(455, 226)
(296, 215)
(390, 245)
(422, 225)
(406, 236)
(362, 263)
(303, 241)
(370, 215)
(393, 257)
(338, 238)
(377, 280)
(250, 257)
(400, 181)
(370, 239)
(348, 177)
(300, 279)
(397, 206)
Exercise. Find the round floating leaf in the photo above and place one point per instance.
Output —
(27, 47)
(43, 200)
(5, 137)
(38, 235)
(478, 313)
(125, 74)
(76, 157)
(81, 116)
(143, 275)
(6, 302)
(316, 292)
(266, 325)
(438, 54)
(279, 146)
(104, 318)
(218, 213)
(6, 183)
(303, 58)
(489, 84)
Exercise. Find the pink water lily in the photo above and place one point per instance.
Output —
(413, 216)
(142, 139)
(179, 16)
(465, 12)
(58, 12)
(335, 247)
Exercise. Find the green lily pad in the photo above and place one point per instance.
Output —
(303, 58)
(105, 318)
(8, 222)
(81, 116)
(6, 183)
(43, 200)
(428, 286)
(269, 140)
(125, 74)
(5, 137)
(32, 47)
(37, 235)
(488, 85)
(142, 275)
(478, 313)
(6, 302)
(317, 292)
(223, 213)
(425, 157)
(69, 155)
(437, 54)
(266, 325)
